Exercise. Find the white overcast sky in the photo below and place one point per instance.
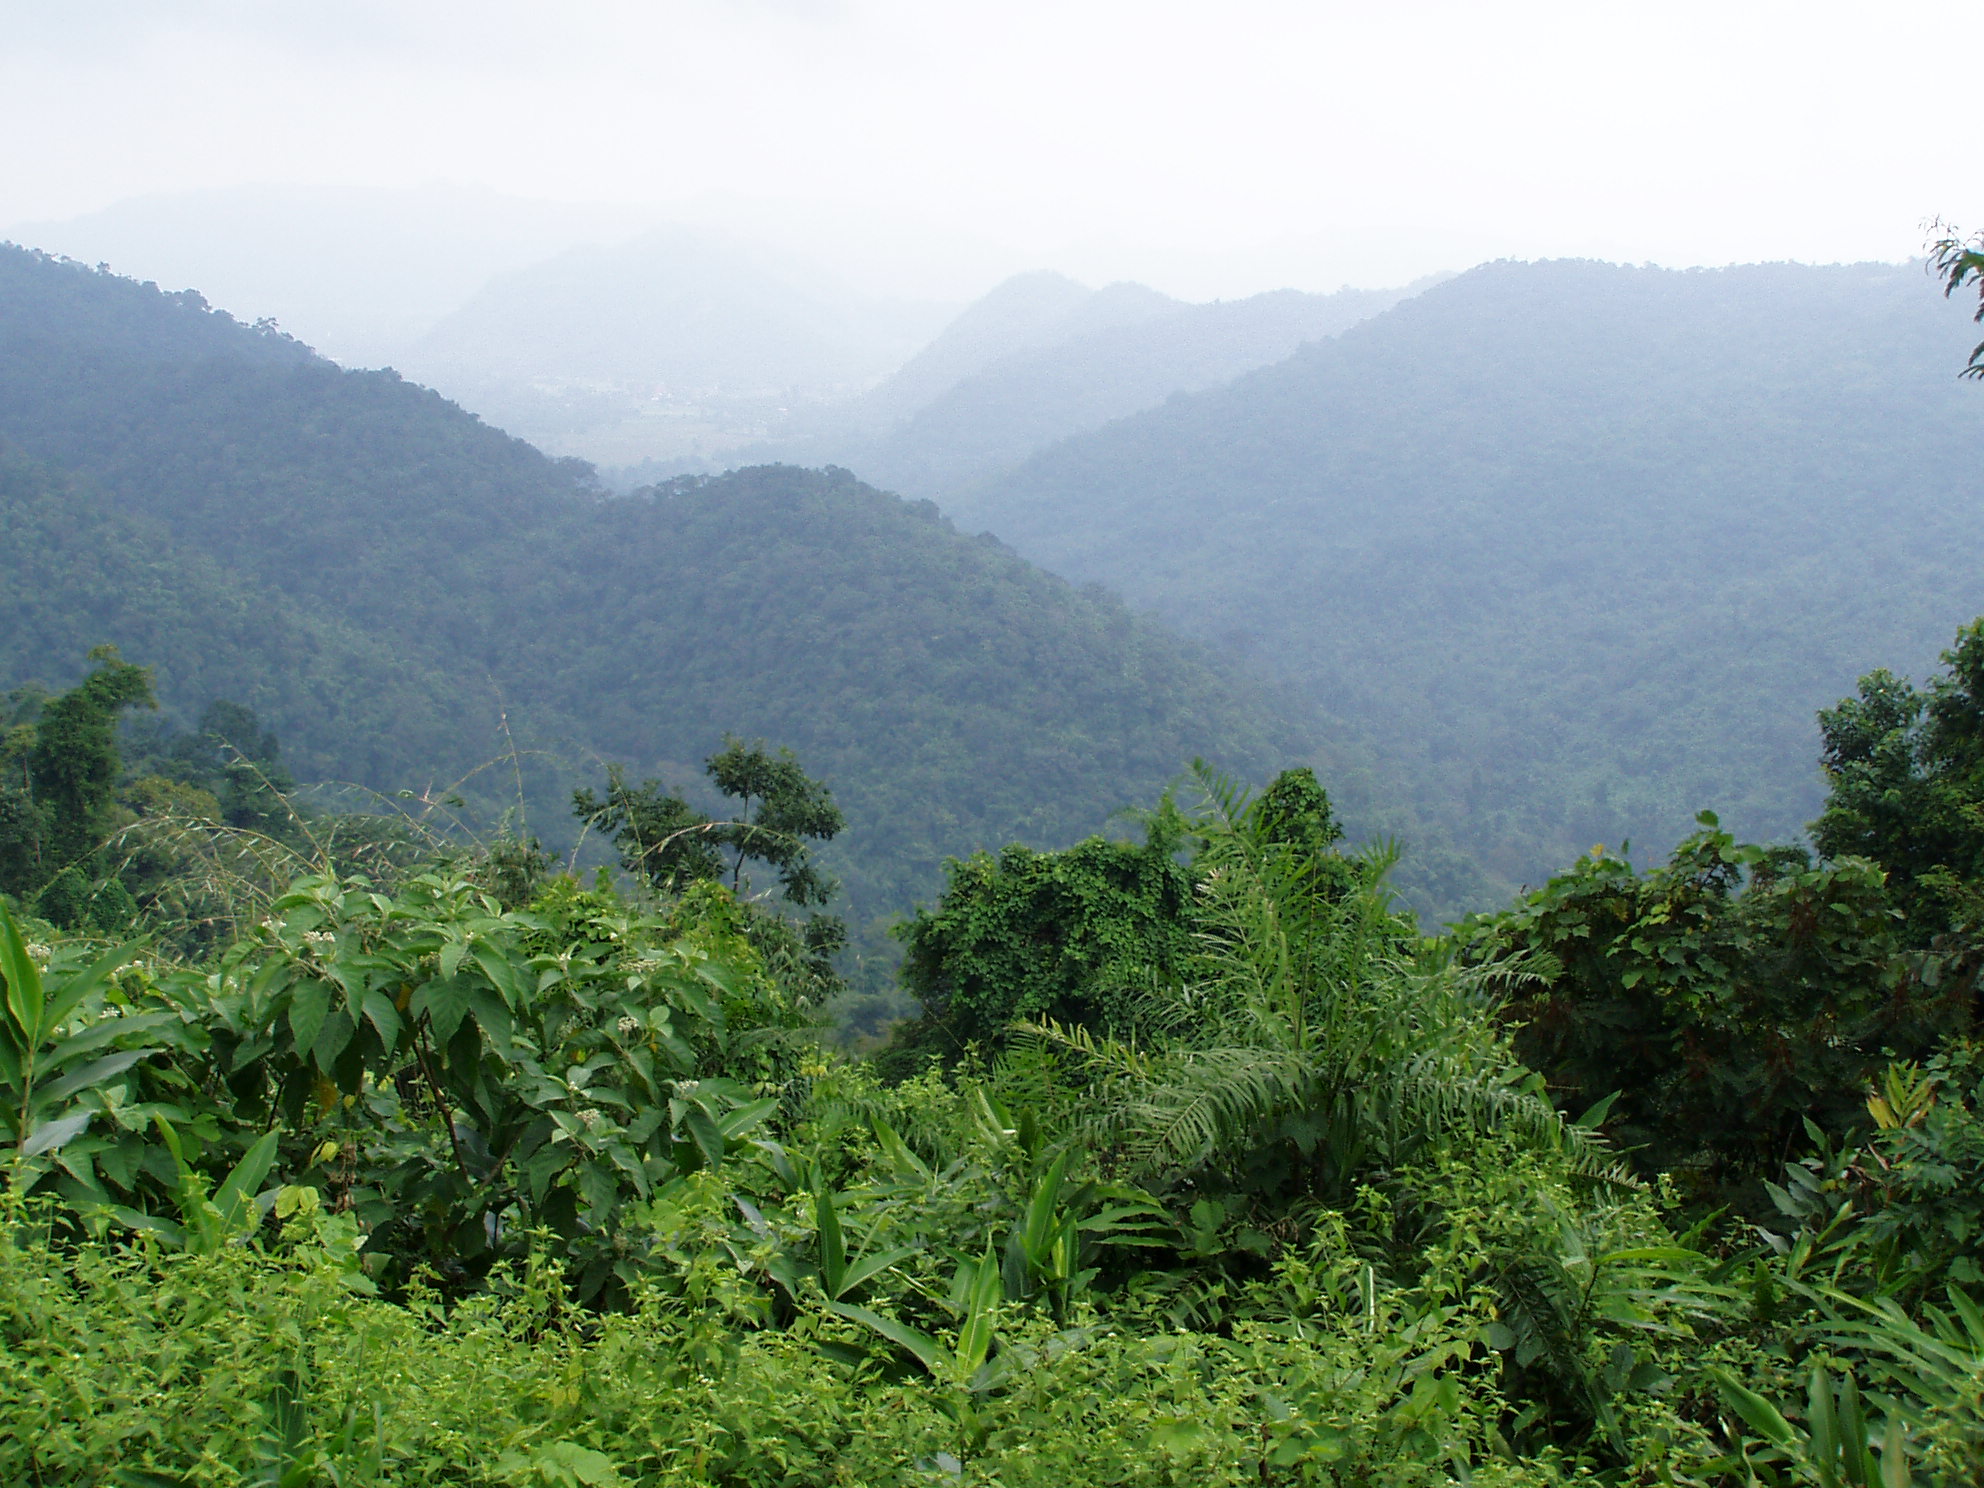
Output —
(1208, 148)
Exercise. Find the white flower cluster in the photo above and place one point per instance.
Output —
(39, 953)
(590, 1118)
(628, 1025)
(317, 941)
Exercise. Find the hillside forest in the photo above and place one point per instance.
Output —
(454, 921)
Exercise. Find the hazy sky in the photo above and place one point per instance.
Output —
(1207, 148)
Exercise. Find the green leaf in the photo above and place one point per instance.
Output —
(704, 1133)
(503, 974)
(932, 1354)
(331, 1040)
(1595, 1117)
(75, 988)
(869, 1267)
(1040, 1214)
(24, 999)
(308, 1003)
(985, 1290)
(52, 1134)
(898, 1151)
(105, 1031)
(1761, 1416)
(445, 1001)
(384, 1016)
(737, 1123)
(90, 1074)
(246, 1180)
(833, 1252)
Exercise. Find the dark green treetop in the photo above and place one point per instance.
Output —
(781, 812)
(1083, 937)
(1725, 998)
(661, 837)
(75, 762)
(1906, 770)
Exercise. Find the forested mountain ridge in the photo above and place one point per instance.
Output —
(353, 705)
(1580, 548)
(1025, 313)
(1035, 396)
(952, 695)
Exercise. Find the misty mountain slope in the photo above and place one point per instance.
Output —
(1579, 548)
(356, 491)
(1030, 399)
(357, 272)
(1023, 313)
(806, 607)
(380, 574)
(676, 306)
(680, 341)
(88, 570)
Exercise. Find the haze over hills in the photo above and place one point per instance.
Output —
(1579, 548)
(742, 330)
(679, 343)
(1575, 549)
(361, 272)
(380, 574)
(1092, 373)
(358, 273)
(1024, 313)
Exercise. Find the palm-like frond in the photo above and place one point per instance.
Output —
(1304, 1004)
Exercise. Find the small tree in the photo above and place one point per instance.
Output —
(781, 812)
(74, 764)
(1906, 770)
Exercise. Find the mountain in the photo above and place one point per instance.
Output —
(88, 569)
(403, 590)
(357, 272)
(1578, 549)
(683, 341)
(1035, 396)
(1021, 314)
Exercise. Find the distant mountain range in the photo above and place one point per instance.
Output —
(681, 342)
(1570, 550)
(1578, 549)
(357, 272)
(401, 591)
(1116, 352)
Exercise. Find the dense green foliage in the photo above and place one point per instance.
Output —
(58, 794)
(1085, 936)
(403, 593)
(1906, 767)
(1577, 549)
(415, 1188)
(1724, 1000)
(100, 570)
(1726, 1009)
(1029, 934)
